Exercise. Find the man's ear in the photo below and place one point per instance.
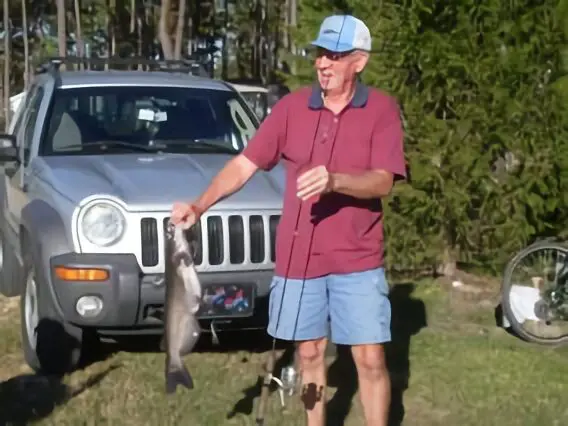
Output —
(362, 60)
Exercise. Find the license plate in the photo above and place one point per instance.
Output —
(227, 301)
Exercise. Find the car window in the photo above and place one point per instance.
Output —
(29, 125)
(184, 120)
(21, 112)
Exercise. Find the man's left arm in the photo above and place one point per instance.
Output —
(387, 160)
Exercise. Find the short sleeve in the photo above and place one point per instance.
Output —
(387, 151)
(265, 147)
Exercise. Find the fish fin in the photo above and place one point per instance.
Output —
(163, 343)
(177, 377)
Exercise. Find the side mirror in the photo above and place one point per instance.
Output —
(8, 149)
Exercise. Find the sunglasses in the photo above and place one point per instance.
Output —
(332, 56)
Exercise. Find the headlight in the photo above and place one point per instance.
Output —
(103, 224)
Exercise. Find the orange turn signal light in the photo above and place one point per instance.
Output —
(81, 274)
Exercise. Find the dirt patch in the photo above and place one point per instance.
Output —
(474, 286)
(469, 294)
(8, 307)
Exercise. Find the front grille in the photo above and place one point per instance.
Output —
(256, 226)
(149, 237)
(236, 231)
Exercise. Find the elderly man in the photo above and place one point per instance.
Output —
(342, 145)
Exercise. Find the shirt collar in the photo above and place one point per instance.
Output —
(359, 99)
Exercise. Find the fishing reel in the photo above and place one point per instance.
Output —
(287, 382)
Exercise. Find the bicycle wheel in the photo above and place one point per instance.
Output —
(534, 293)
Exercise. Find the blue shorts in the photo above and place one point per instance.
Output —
(355, 307)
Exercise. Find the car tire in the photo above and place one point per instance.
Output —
(50, 345)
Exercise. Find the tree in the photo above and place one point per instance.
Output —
(164, 32)
(61, 28)
(78, 31)
(26, 44)
(6, 88)
(179, 29)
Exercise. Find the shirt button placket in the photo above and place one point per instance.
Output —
(333, 129)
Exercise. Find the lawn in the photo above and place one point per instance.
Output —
(450, 366)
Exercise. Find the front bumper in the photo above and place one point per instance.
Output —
(133, 302)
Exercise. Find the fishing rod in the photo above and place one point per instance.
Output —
(270, 363)
(269, 377)
(269, 367)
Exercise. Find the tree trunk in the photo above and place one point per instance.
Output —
(132, 16)
(112, 32)
(7, 54)
(163, 31)
(225, 52)
(79, 33)
(61, 29)
(179, 29)
(26, 45)
(448, 266)
(293, 22)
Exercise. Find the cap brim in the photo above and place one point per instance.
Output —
(332, 45)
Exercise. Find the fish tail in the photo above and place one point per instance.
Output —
(178, 376)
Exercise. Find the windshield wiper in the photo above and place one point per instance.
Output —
(198, 143)
(110, 143)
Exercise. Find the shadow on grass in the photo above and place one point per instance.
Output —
(408, 318)
(245, 405)
(30, 397)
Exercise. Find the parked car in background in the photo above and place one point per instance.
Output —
(256, 97)
(260, 98)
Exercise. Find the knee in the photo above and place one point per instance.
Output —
(370, 361)
(311, 354)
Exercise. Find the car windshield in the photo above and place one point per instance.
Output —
(111, 119)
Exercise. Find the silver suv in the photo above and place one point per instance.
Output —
(92, 165)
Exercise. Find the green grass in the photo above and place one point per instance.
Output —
(459, 369)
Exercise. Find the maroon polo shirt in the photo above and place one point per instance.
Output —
(336, 233)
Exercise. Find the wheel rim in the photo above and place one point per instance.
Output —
(538, 268)
(31, 316)
(1, 254)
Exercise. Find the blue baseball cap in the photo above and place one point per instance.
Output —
(342, 33)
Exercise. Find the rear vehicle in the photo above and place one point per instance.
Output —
(92, 165)
(256, 97)
(261, 99)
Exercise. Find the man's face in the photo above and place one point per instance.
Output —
(334, 69)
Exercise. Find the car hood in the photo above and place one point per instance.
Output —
(154, 181)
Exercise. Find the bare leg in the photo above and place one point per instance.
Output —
(374, 383)
(311, 357)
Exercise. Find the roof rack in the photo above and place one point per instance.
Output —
(189, 66)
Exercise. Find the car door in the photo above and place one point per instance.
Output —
(15, 174)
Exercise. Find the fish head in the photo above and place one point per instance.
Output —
(170, 230)
(183, 243)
